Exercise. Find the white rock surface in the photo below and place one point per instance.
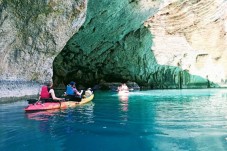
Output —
(192, 35)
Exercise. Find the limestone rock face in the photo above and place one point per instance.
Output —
(191, 35)
(33, 32)
(112, 45)
(158, 44)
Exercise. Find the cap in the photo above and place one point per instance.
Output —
(72, 83)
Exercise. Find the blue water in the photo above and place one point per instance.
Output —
(157, 120)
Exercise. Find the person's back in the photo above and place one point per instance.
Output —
(45, 93)
(88, 92)
(69, 90)
(124, 87)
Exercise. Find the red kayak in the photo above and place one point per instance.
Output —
(38, 106)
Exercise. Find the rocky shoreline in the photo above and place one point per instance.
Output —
(11, 91)
(17, 90)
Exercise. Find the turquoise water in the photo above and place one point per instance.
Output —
(157, 120)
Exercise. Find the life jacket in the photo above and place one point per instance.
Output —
(69, 90)
(45, 93)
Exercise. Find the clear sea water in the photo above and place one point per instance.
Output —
(156, 120)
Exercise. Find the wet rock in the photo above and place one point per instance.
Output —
(18, 89)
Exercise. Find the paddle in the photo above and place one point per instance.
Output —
(32, 101)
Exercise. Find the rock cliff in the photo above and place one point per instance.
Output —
(32, 33)
(181, 45)
(192, 35)
(112, 45)
(157, 44)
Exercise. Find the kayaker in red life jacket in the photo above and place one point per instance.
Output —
(47, 92)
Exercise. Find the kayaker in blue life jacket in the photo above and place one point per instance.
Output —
(71, 89)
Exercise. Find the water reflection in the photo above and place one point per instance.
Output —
(62, 122)
(198, 117)
(41, 115)
(145, 120)
(123, 98)
(85, 114)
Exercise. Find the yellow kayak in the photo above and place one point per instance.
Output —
(73, 103)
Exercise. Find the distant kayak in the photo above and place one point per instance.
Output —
(38, 106)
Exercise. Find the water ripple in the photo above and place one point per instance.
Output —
(156, 120)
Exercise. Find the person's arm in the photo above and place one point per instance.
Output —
(77, 92)
(53, 95)
(39, 93)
